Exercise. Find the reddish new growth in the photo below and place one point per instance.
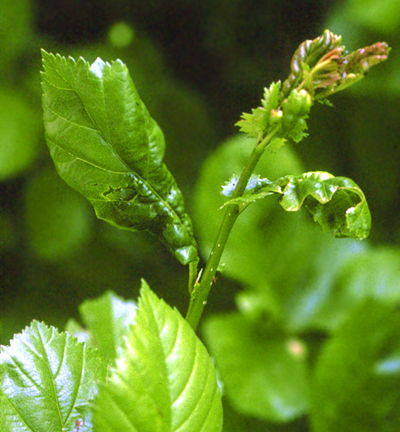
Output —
(361, 60)
(320, 67)
(335, 72)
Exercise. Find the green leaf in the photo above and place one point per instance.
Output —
(323, 295)
(362, 274)
(236, 422)
(259, 121)
(44, 374)
(357, 379)
(105, 145)
(262, 375)
(336, 203)
(295, 111)
(164, 380)
(108, 318)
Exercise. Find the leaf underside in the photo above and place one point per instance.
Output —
(105, 145)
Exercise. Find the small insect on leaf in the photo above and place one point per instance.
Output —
(77, 424)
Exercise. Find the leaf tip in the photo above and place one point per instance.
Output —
(97, 67)
(146, 294)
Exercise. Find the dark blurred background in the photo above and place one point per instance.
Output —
(197, 65)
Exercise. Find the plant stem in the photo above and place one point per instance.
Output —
(201, 290)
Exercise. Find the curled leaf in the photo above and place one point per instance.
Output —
(309, 53)
(336, 203)
(106, 145)
(320, 66)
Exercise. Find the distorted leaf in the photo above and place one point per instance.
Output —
(262, 230)
(337, 204)
(105, 145)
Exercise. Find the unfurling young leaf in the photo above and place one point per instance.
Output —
(319, 68)
(105, 144)
(164, 379)
(261, 118)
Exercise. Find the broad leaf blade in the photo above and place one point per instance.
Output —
(357, 378)
(43, 376)
(347, 279)
(105, 145)
(164, 380)
(262, 375)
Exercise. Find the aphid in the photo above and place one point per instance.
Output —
(77, 424)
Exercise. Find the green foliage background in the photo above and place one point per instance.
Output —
(197, 66)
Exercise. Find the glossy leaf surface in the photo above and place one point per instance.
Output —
(44, 375)
(164, 379)
(262, 377)
(337, 204)
(105, 145)
(357, 379)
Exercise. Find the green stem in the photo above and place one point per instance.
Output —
(201, 290)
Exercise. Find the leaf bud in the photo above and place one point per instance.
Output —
(298, 103)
